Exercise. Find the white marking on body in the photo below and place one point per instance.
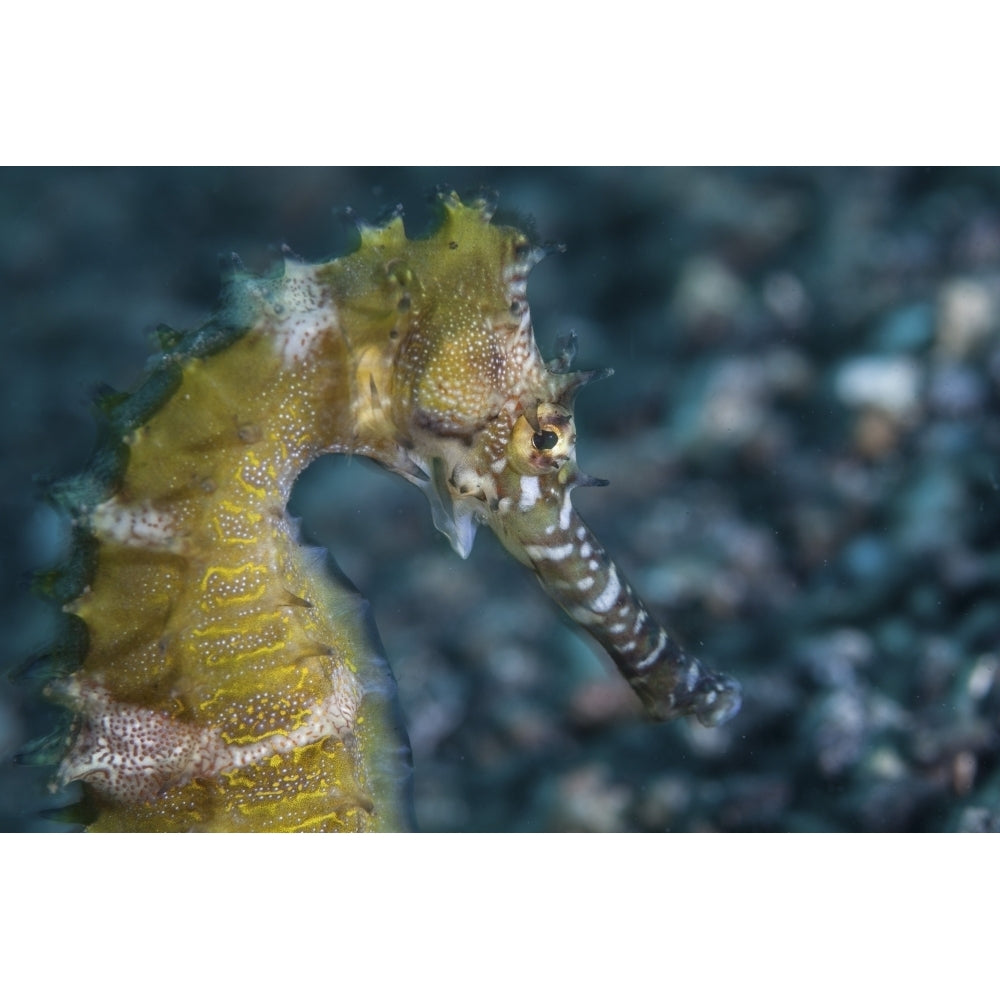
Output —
(593, 565)
(647, 661)
(334, 716)
(140, 525)
(530, 492)
(639, 619)
(130, 753)
(555, 552)
(499, 465)
(550, 529)
(133, 754)
(617, 628)
(300, 315)
(607, 597)
(585, 550)
(585, 583)
(581, 532)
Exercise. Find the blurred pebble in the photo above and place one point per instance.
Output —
(708, 296)
(876, 435)
(890, 384)
(786, 297)
(833, 660)
(956, 390)
(967, 312)
(977, 819)
(755, 802)
(663, 803)
(588, 801)
(603, 703)
(731, 404)
(838, 731)
(788, 372)
(867, 558)
(938, 666)
(929, 511)
(982, 677)
(907, 329)
(963, 772)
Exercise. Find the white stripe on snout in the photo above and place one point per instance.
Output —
(606, 599)
(565, 512)
(648, 661)
(555, 552)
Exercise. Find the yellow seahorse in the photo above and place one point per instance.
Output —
(222, 678)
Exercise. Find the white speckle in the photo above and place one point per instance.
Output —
(593, 565)
(585, 550)
(530, 492)
(607, 597)
(581, 532)
(585, 583)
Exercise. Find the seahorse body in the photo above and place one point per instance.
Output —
(227, 682)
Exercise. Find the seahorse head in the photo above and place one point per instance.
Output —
(483, 422)
(452, 392)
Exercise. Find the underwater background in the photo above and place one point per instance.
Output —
(802, 438)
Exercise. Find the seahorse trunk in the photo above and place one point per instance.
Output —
(230, 682)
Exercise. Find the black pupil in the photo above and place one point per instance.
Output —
(545, 440)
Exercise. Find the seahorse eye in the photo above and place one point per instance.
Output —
(545, 444)
(545, 440)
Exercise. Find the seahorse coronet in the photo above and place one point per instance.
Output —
(219, 676)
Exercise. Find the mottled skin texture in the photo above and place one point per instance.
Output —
(227, 682)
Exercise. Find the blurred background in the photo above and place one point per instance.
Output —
(801, 435)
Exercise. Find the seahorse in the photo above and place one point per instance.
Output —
(217, 674)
